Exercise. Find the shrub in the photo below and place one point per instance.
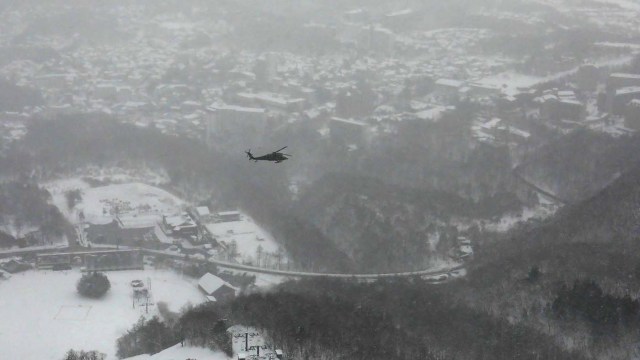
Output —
(93, 285)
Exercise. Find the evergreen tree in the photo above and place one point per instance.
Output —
(71, 355)
(93, 285)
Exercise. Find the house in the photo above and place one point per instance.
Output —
(215, 288)
(618, 81)
(447, 87)
(622, 98)
(202, 214)
(479, 89)
(561, 106)
(125, 230)
(181, 225)
(202, 211)
(228, 216)
(14, 265)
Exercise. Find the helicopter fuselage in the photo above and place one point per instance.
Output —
(276, 157)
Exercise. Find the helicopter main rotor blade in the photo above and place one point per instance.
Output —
(280, 149)
(287, 155)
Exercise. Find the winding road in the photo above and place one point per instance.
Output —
(254, 269)
(303, 274)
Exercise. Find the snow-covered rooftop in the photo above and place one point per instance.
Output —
(628, 90)
(625, 76)
(180, 220)
(449, 82)
(210, 283)
(348, 121)
(215, 107)
(202, 210)
(134, 221)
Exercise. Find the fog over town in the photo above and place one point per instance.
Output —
(319, 179)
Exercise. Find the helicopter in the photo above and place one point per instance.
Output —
(275, 156)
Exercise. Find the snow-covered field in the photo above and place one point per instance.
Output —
(42, 315)
(100, 204)
(248, 237)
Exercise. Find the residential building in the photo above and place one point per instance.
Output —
(215, 288)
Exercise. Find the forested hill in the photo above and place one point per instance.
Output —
(609, 221)
(581, 164)
(589, 253)
(413, 226)
(391, 319)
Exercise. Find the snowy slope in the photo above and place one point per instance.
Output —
(178, 352)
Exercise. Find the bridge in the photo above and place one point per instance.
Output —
(246, 268)
(536, 188)
(304, 274)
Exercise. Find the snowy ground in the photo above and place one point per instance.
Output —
(100, 204)
(248, 237)
(509, 221)
(245, 339)
(179, 352)
(43, 316)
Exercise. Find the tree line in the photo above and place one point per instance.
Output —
(200, 326)
(25, 206)
(395, 318)
(605, 313)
